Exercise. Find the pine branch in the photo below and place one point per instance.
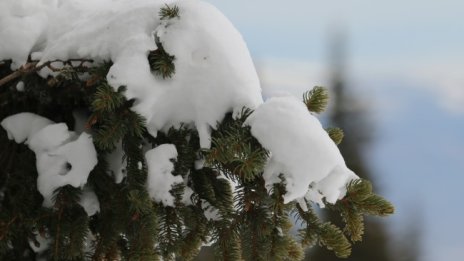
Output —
(168, 12)
(336, 134)
(316, 99)
(161, 62)
(31, 67)
(332, 237)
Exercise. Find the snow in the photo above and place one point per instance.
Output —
(187, 196)
(214, 75)
(160, 179)
(89, 202)
(211, 213)
(20, 86)
(214, 71)
(24, 125)
(22, 23)
(62, 157)
(300, 149)
(44, 243)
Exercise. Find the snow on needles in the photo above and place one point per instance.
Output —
(62, 157)
(301, 151)
(160, 179)
(214, 75)
(214, 71)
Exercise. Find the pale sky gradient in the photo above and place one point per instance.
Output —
(406, 60)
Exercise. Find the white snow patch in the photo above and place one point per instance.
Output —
(187, 196)
(211, 213)
(301, 150)
(61, 159)
(22, 27)
(44, 243)
(23, 125)
(160, 179)
(20, 86)
(89, 202)
(199, 164)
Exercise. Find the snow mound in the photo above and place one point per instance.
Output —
(214, 71)
(160, 179)
(62, 157)
(301, 151)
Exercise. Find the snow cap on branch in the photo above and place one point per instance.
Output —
(301, 150)
(214, 73)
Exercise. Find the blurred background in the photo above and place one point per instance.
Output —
(395, 70)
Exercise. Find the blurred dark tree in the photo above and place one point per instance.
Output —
(350, 114)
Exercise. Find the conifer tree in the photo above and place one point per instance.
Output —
(151, 194)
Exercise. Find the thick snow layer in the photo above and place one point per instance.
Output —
(214, 71)
(62, 158)
(301, 150)
(160, 179)
(22, 27)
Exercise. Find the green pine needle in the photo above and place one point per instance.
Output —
(354, 224)
(336, 134)
(316, 99)
(168, 12)
(332, 237)
(106, 99)
(161, 62)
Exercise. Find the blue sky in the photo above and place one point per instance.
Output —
(406, 61)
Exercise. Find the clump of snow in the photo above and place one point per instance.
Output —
(300, 149)
(160, 179)
(24, 125)
(20, 86)
(214, 71)
(43, 243)
(211, 213)
(89, 202)
(187, 196)
(62, 157)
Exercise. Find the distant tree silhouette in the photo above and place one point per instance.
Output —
(351, 118)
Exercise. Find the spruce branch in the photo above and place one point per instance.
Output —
(106, 99)
(332, 237)
(168, 12)
(316, 99)
(336, 134)
(161, 62)
(31, 67)
(354, 224)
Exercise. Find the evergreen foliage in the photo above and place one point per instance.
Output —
(316, 99)
(230, 206)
